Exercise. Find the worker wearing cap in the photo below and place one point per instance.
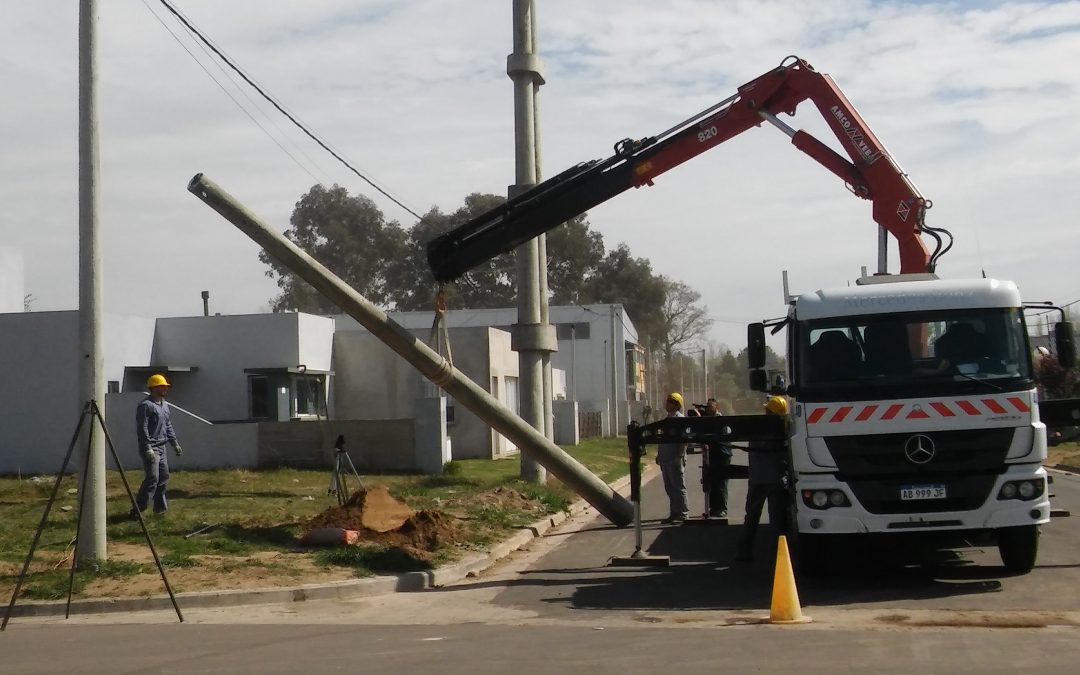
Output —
(768, 464)
(672, 460)
(154, 429)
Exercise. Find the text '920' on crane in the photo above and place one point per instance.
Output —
(869, 171)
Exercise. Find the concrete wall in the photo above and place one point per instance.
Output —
(372, 382)
(12, 289)
(217, 446)
(39, 399)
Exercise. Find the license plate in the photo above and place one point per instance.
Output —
(913, 492)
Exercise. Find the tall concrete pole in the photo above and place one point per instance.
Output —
(431, 365)
(91, 543)
(532, 337)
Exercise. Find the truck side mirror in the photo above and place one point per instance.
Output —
(1064, 344)
(759, 380)
(755, 346)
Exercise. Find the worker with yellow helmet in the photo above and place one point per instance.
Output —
(153, 426)
(765, 483)
(672, 460)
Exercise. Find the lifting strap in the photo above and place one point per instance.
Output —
(440, 334)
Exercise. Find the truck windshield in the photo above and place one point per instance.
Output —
(925, 352)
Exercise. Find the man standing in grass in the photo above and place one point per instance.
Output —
(154, 428)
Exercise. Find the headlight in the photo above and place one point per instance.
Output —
(1008, 491)
(1027, 490)
(821, 499)
(836, 498)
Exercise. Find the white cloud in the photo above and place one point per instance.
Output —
(975, 100)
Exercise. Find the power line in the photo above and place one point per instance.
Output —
(227, 93)
(195, 31)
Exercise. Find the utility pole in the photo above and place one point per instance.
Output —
(91, 537)
(532, 336)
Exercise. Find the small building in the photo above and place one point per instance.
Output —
(599, 353)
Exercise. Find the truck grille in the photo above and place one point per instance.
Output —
(966, 462)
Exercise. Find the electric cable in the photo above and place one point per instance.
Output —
(229, 94)
(254, 85)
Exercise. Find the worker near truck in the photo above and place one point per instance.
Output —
(768, 464)
(717, 459)
(672, 460)
(154, 429)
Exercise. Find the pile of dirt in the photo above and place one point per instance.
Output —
(505, 497)
(381, 519)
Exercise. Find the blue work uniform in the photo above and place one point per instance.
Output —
(153, 426)
(672, 460)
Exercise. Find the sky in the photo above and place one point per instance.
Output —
(977, 102)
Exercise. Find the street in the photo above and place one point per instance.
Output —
(558, 606)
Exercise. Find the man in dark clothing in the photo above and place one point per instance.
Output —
(768, 463)
(153, 426)
(717, 459)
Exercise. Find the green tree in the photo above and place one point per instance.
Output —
(574, 254)
(347, 234)
(491, 284)
(681, 320)
(623, 279)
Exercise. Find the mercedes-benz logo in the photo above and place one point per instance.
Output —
(919, 449)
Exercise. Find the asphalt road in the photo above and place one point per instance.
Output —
(558, 607)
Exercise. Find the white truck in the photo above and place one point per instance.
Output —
(914, 409)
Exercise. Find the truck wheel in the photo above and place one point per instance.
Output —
(1018, 546)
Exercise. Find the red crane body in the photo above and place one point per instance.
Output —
(868, 170)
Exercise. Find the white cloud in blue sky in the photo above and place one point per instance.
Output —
(976, 100)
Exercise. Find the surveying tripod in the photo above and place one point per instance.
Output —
(343, 466)
(91, 413)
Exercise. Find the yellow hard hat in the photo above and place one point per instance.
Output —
(675, 396)
(776, 405)
(157, 381)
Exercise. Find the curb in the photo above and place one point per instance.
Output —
(348, 589)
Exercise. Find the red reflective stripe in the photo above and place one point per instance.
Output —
(968, 407)
(840, 414)
(917, 414)
(865, 413)
(892, 411)
(1019, 404)
(994, 406)
(816, 415)
(943, 409)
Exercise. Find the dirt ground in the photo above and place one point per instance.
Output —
(376, 515)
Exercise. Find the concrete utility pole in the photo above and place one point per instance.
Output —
(431, 365)
(532, 337)
(91, 544)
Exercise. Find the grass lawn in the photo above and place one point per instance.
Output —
(256, 518)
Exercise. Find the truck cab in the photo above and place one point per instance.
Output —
(914, 410)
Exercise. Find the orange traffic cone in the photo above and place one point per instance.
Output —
(785, 597)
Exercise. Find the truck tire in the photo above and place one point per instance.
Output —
(1018, 546)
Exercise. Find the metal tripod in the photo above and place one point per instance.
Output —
(90, 410)
(343, 466)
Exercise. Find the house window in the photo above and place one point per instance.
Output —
(510, 392)
(309, 395)
(259, 396)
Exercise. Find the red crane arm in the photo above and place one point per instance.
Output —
(868, 170)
